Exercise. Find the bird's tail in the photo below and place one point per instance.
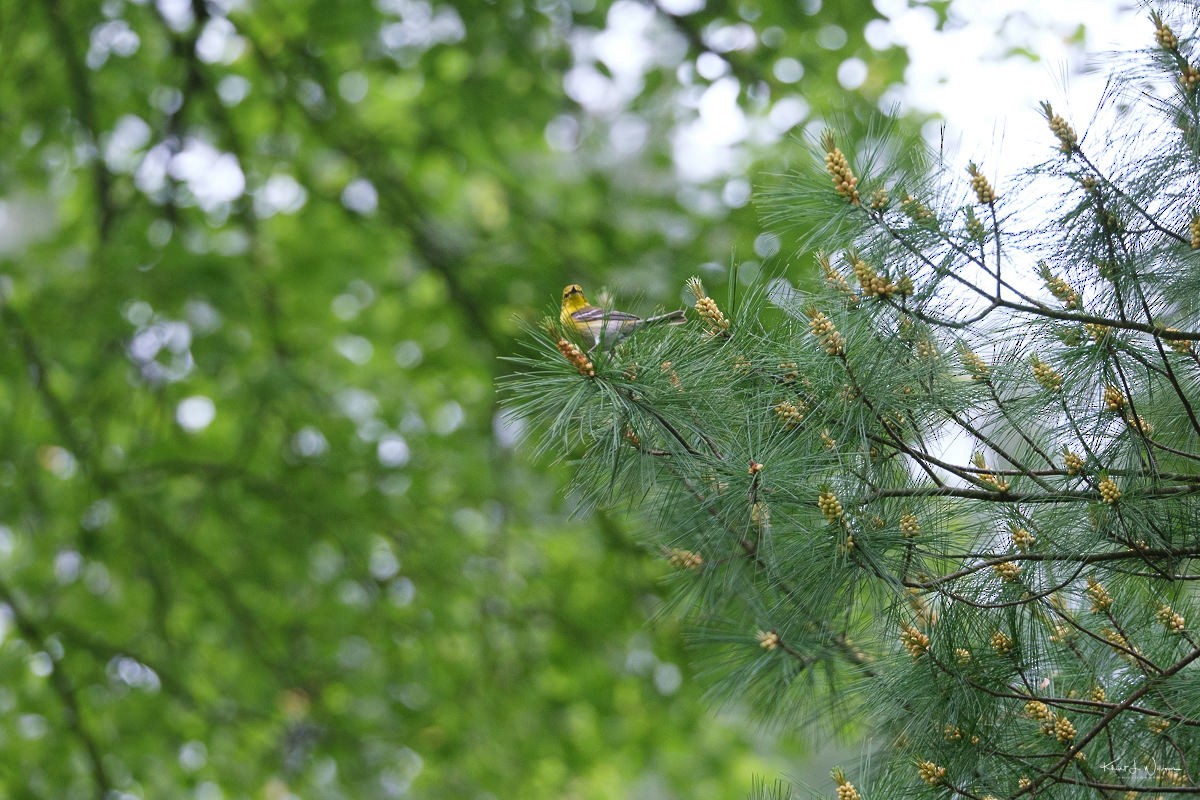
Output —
(671, 318)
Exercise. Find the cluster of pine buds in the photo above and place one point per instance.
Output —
(1109, 492)
(986, 476)
(1022, 539)
(1114, 400)
(979, 183)
(1062, 291)
(1050, 379)
(823, 328)
(1118, 641)
(962, 655)
(975, 227)
(1067, 140)
(909, 525)
(1038, 711)
(1007, 571)
(1061, 632)
(916, 210)
(1096, 331)
(1158, 725)
(832, 276)
(1073, 461)
(1190, 78)
(1194, 230)
(975, 365)
(873, 284)
(1100, 597)
(915, 642)
(1179, 345)
(845, 789)
(632, 437)
(707, 309)
(844, 182)
(1174, 623)
(1163, 34)
(879, 200)
(830, 506)
(790, 412)
(577, 357)
(1001, 642)
(1136, 422)
(768, 640)
(930, 772)
(684, 559)
(669, 369)
(1062, 730)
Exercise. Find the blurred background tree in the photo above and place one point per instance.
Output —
(262, 532)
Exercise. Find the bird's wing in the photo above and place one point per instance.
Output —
(594, 314)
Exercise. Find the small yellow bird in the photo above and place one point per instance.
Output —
(604, 325)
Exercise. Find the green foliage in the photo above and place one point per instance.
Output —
(945, 502)
(262, 532)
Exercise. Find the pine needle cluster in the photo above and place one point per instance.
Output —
(952, 497)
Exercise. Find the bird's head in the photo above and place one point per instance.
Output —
(572, 298)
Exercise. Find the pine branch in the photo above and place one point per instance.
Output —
(1019, 583)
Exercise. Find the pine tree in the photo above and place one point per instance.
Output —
(952, 492)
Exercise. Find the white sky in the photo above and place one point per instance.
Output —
(988, 98)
